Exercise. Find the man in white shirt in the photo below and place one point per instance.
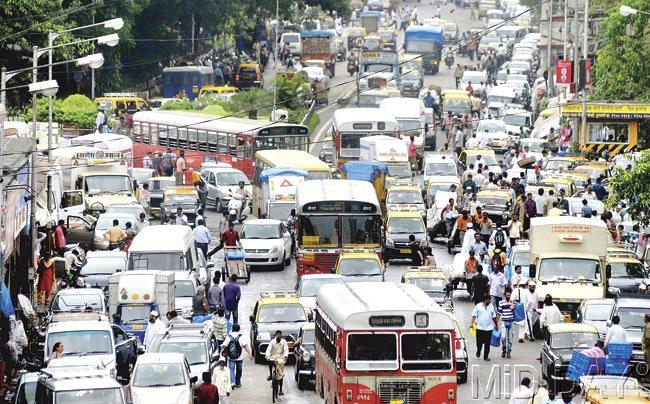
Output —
(479, 179)
(486, 139)
(276, 354)
(153, 326)
(472, 142)
(550, 313)
(181, 219)
(615, 333)
(522, 393)
(235, 363)
(529, 298)
(540, 202)
(480, 161)
(459, 139)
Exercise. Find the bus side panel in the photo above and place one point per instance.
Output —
(444, 393)
(326, 376)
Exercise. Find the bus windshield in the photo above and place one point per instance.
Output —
(426, 351)
(359, 267)
(318, 231)
(361, 230)
(373, 347)
(350, 146)
(569, 269)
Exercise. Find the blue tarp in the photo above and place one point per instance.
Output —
(363, 170)
(317, 33)
(6, 306)
(370, 13)
(274, 172)
(419, 32)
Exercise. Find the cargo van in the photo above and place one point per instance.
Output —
(168, 248)
(294, 41)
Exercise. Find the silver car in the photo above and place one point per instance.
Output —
(221, 183)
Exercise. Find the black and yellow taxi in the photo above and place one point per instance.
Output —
(276, 311)
(360, 265)
(249, 75)
(497, 204)
(185, 198)
(400, 224)
(433, 282)
(119, 103)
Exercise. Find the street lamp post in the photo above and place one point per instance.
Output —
(627, 11)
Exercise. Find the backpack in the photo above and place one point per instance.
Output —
(499, 238)
(167, 165)
(234, 348)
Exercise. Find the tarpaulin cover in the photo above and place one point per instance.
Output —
(363, 170)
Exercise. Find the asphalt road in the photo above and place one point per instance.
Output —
(504, 374)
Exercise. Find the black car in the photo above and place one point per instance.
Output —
(631, 312)
(304, 355)
(497, 205)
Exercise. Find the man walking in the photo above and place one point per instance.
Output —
(202, 237)
(497, 284)
(506, 312)
(485, 319)
(615, 333)
(234, 346)
(231, 296)
(481, 285)
(153, 326)
(215, 293)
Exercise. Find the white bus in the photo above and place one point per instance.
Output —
(382, 343)
(351, 124)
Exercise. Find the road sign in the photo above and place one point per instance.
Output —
(564, 72)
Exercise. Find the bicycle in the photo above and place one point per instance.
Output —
(275, 382)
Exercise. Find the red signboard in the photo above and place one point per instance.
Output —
(564, 72)
(588, 71)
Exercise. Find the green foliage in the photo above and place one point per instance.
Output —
(291, 91)
(621, 70)
(634, 186)
(257, 99)
(77, 110)
(42, 109)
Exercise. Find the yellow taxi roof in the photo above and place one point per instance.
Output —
(568, 158)
(494, 192)
(570, 175)
(404, 213)
(355, 30)
(403, 188)
(220, 89)
(181, 191)
(424, 274)
(358, 255)
(371, 37)
(455, 93)
(590, 167)
(558, 179)
(248, 65)
(571, 327)
(278, 298)
(482, 152)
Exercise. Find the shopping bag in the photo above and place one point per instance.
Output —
(496, 339)
(519, 312)
(472, 331)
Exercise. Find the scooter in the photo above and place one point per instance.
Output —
(238, 208)
(352, 67)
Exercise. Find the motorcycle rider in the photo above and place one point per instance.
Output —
(352, 63)
(241, 190)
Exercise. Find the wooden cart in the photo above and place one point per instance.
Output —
(233, 263)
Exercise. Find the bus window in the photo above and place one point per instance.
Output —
(186, 79)
(248, 149)
(361, 230)
(223, 145)
(232, 145)
(192, 138)
(182, 138)
(202, 139)
(372, 347)
(241, 145)
(168, 79)
(195, 78)
(319, 231)
(212, 142)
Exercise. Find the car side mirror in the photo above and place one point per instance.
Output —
(310, 317)
(140, 350)
(608, 271)
(193, 380)
(532, 271)
(116, 318)
(252, 319)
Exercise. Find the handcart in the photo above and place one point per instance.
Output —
(233, 263)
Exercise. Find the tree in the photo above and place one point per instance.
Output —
(621, 70)
(633, 186)
(76, 110)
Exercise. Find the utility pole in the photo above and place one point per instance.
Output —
(585, 55)
(549, 46)
(92, 71)
(193, 22)
(566, 27)
(32, 177)
(574, 50)
(275, 58)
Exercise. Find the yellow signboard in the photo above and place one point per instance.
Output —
(607, 110)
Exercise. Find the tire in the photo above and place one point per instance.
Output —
(287, 260)
(258, 357)
(462, 378)
(295, 375)
(302, 385)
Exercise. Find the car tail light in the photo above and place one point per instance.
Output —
(237, 78)
(259, 77)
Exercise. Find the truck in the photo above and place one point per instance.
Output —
(370, 20)
(567, 260)
(279, 191)
(426, 41)
(132, 295)
(319, 44)
(389, 150)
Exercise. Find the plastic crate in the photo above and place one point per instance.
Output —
(234, 255)
(582, 365)
(615, 366)
(619, 350)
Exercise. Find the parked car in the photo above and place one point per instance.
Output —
(104, 222)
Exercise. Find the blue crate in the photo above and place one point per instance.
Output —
(584, 365)
(234, 255)
(619, 350)
(616, 366)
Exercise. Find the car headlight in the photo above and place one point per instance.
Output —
(613, 290)
(306, 357)
(505, 215)
(390, 242)
(643, 287)
(423, 242)
(263, 336)
(184, 397)
(275, 249)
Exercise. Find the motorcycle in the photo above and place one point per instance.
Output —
(238, 208)
(352, 67)
(449, 61)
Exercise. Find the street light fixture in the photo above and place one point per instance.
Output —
(47, 88)
(109, 40)
(94, 61)
(627, 11)
(115, 23)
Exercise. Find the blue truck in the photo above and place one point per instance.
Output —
(426, 41)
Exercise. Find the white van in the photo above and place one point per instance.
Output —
(475, 77)
(410, 115)
(295, 44)
(168, 248)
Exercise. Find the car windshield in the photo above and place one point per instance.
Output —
(371, 100)
(521, 257)
(103, 265)
(434, 188)
(308, 337)
(91, 396)
(412, 75)
(359, 267)
(536, 147)
(231, 178)
(159, 375)
(82, 342)
(520, 120)
(77, 302)
(260, 231)
(372, 347)
(397, 197)
(489, 160)
(440, 169)
(399, 170)
(134, 210)
(106, 220)
(405, 225)
(195, 352)
(632, 317)
(163, 261)
(571, 340)
(491, 126)
(627, 270)
(428, 285)
(598, 312)
(185, 289)
(309, 285)
(135, 313)
(569, 269)
(497, 201)
(281, 313)
(181, 199)
(95, 184)
(456, 105)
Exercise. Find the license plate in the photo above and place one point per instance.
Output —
(396, 401)
(567, 318)
(136, 326)
(404, 251)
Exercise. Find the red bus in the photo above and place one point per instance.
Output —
(335, 215)
(213, 138)
(383, 343)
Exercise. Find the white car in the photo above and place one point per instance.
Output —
(186, 285)
(308, 285)
(266, 242)
(162, 378)
(495, 132)
(77, 299)
(316, 73)
(516, 119)
(222, 182)
(105, 221)
(133, 208)
(535, 147)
